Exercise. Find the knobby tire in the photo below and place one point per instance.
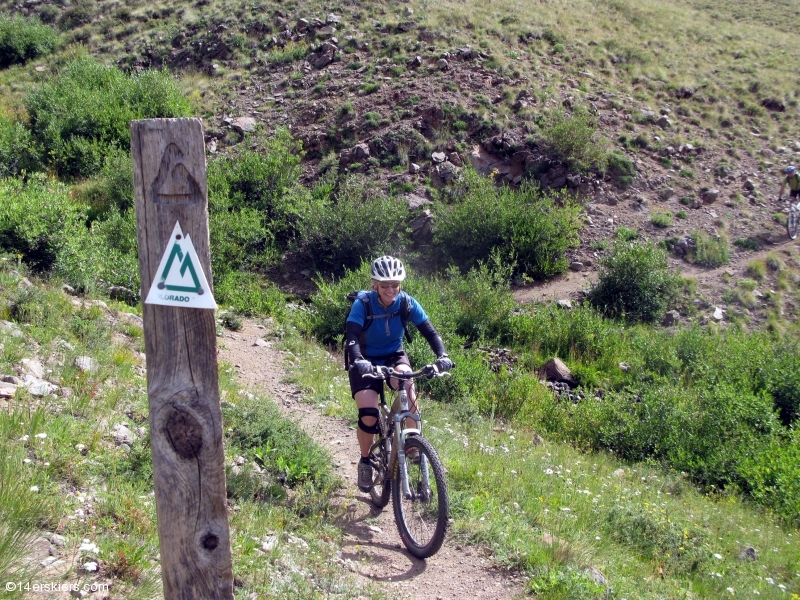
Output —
(422, 523)
(791, 224)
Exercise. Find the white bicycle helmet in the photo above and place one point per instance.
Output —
(387, 268)
(790, 169)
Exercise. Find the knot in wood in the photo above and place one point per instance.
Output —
(184, 433)
(209, 541)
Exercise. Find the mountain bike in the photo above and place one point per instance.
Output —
(792, 218)
(407, 466)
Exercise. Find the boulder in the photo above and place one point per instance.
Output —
(243, 125)
(422, 227)
(555, 370)
(710, 196)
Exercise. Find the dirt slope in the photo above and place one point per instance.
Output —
(371, 538)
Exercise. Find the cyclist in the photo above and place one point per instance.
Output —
(793, 180)
(382, 344)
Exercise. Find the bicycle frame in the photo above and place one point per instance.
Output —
(397, 457)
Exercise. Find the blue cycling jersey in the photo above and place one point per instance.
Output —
(385, 335)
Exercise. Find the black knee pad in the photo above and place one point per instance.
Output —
(369, 412)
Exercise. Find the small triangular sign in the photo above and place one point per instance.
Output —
(180, 280)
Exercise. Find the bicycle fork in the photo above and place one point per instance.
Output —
(400, 444)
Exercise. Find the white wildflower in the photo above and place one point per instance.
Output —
(34, 488)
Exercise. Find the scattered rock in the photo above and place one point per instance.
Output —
(422, 227)
(555, 370)
(416, 202)
(576, 266)
(85, 363)
(445, 173)
(323, 56)
(719, 313)
(672, 317)
(7, 390)
(122, 435)
(710, 196)
(442, 64)
(747, 553)
(68, 289)
(32, 367)
(564, 303)
(438, 157)
(244, 125)
(624, 367)
(132, 319)
(664, 122)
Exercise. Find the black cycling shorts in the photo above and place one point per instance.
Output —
(358, 382)
(794, 193)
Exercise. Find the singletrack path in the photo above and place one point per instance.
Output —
(371, 539)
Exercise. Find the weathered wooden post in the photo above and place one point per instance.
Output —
(169, 173)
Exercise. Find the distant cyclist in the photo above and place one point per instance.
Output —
(374, 334)
(792, 179)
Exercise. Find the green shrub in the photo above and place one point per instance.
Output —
(36, 218)
(772, 476)
(22, 39)
(279, 445)
(523, 226)
(249, 294)
(626, 235)
(337, 233)
(621, 167)
(710, 251)
(661, 219)
(255, 204)
(757, 269)
(81, 114)
(635, 282)
(18, 150)
(681, 214)
(573, 138)
(112, 189)
(749, 243)
(290, 53)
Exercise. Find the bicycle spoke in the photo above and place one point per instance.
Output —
(422, 518)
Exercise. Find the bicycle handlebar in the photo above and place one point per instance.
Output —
(426, 372)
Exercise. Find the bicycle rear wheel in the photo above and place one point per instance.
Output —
(791, 223)
(422, 519)
(381, 489)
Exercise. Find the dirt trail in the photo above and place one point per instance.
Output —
(371, 539)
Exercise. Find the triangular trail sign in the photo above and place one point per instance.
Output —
(180, 280)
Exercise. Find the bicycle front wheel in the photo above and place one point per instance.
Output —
(791, 223)
(422, 518)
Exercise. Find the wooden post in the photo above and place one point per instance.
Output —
(169, 174)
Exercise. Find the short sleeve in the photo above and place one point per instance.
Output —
(357, 314)
(418, 316)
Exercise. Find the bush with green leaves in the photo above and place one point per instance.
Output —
(255, 203)
(42, 223)
(710, 251)
(523, 227)
(79, 115)
(339, 230)
(635, 282)
(573, 138)
(18, 150)
(36, 217)
(23, 38)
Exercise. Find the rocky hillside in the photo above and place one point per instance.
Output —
(688, 111)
